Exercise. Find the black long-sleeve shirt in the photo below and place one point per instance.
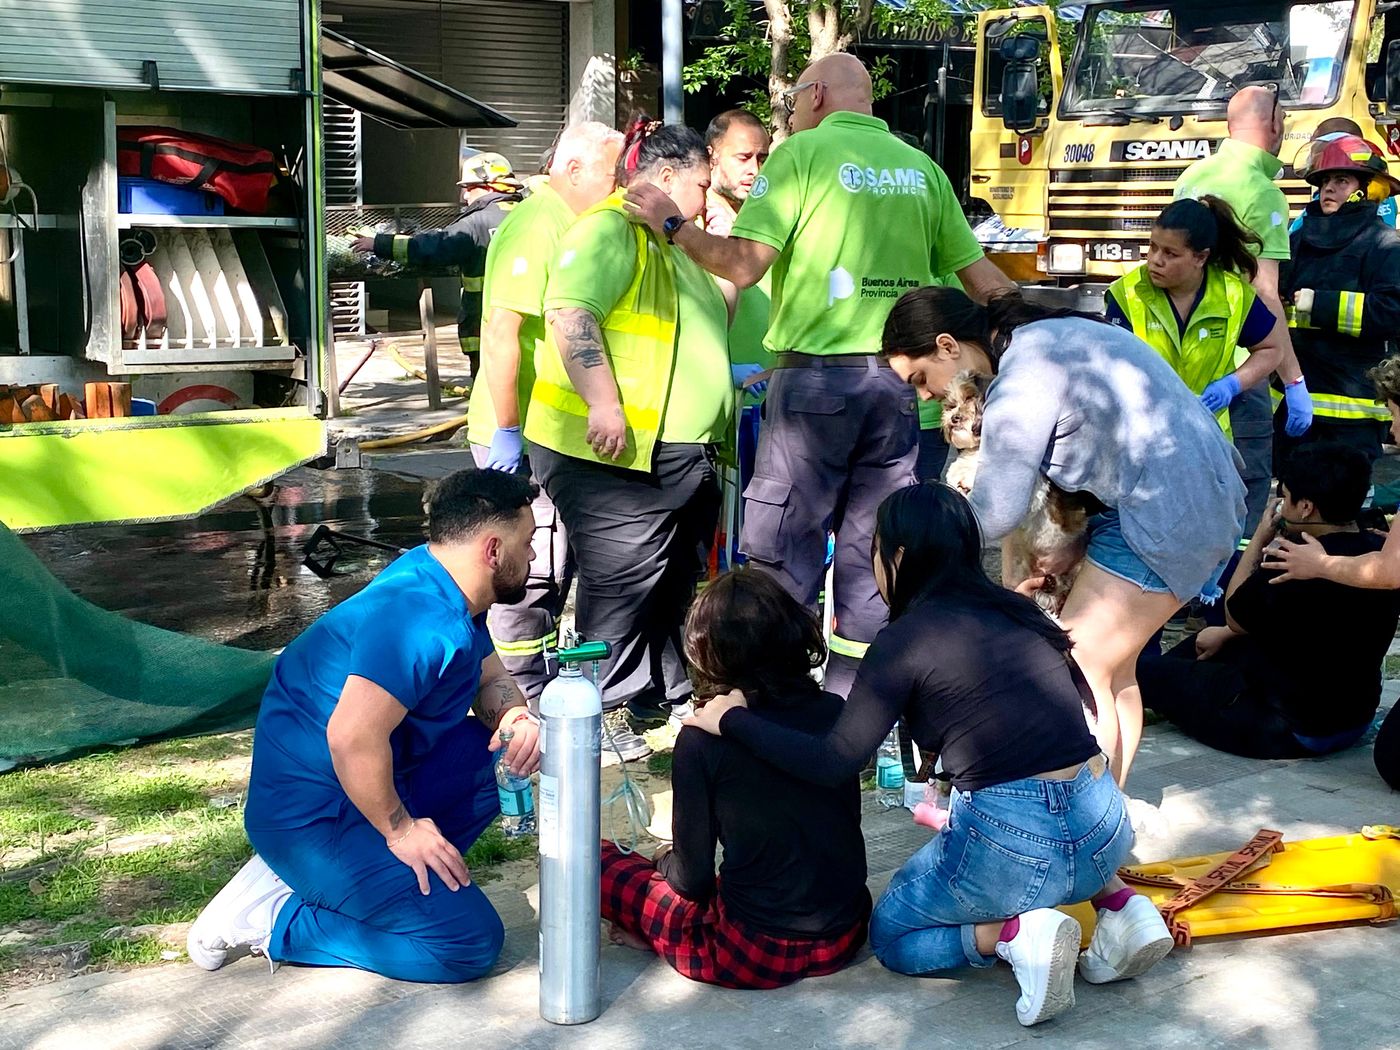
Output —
(794, 857)
(996, 700)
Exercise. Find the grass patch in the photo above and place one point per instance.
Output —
(134, 838)
(1390, 668)
(494, 848)
(661, 762)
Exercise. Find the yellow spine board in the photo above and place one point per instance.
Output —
(1341, 879)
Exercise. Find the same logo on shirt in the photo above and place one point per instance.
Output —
(760, 187)
(883, 182)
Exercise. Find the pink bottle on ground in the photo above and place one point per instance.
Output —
(932, 812)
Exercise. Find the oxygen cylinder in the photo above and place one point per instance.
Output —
(569, 822)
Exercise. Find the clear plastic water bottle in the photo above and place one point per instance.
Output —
(517, 798)
(889, 772)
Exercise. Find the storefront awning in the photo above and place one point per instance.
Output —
(396, 94)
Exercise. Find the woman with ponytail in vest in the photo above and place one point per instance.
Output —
(632, 396)
(1193, 303)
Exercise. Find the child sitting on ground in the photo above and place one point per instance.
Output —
(790, 899)
(1297, 669)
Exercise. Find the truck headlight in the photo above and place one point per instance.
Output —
(1066, 257)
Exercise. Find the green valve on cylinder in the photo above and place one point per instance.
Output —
(583, 653)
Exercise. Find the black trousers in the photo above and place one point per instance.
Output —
(640, 543)
(1210, 701)
(1387, 753)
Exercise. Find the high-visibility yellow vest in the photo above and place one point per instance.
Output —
(640, 333)
(1209, 347)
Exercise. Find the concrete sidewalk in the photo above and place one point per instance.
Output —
(1318, 989)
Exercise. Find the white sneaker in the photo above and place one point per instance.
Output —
(1126, 943)
(241, 914)
(1042, 956)
(679, 713)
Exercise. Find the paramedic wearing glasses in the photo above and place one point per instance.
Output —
(849, 218)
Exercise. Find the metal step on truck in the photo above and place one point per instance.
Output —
(1084, 116)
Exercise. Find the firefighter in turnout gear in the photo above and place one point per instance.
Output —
(489, 189)
(1343, 287)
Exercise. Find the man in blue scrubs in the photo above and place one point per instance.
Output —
(372, 760)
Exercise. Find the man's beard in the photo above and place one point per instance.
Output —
(510, 585)
(728, 192)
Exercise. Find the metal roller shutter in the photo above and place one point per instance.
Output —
(510, 54)
(197, 45)
(342, 126)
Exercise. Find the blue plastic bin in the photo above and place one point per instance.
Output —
(138, 196)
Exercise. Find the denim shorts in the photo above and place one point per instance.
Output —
(1110, 552)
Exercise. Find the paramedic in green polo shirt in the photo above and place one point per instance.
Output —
(633, 395)
(581, 174)
(1242, 173)
(849, 218)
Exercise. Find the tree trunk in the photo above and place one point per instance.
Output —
(824, 25)
(779, 76)
(831, 30)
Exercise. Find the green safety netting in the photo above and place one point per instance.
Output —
(74, 676)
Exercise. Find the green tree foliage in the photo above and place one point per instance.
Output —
(768, 44)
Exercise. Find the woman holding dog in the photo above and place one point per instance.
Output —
(1090, 407)
(981, 678)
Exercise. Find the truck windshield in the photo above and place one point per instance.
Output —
(1149, 58)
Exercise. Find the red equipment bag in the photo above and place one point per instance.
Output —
(241, 175)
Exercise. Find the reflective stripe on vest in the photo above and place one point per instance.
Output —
(472, 284)
(1199, 355)
(400, 248)
(1349, 307)
(640, 334)
(1339, 406)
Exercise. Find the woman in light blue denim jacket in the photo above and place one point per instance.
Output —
(1096, 410)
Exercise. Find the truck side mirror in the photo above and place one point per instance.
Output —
(1020, 83)
(1392, 76)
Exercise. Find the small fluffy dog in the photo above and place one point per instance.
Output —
(1050, 541)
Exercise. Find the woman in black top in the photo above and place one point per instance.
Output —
(982, 678)
(790, 900)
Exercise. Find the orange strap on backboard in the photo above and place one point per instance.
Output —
(1246, 858)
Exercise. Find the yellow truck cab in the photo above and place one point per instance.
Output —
(1080, 161)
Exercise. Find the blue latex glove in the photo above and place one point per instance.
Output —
(506, 450)
(1300, 409)
(742, 372)
(1220, 393)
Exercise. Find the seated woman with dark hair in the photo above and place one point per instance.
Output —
(981, 677)
(790, 899)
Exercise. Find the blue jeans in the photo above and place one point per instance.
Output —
(1007, 849)
(356, 904)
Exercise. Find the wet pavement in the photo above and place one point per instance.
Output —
(236, 574)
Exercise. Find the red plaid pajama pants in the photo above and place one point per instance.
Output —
(703, 943)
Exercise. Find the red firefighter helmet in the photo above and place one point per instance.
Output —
(1347, 153)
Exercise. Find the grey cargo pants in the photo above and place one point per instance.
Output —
(838, 436)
